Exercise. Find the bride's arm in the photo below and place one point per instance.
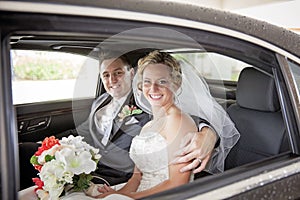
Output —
(176, 178)
(131, 186)
(133, 183)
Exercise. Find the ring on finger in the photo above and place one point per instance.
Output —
(199, 160)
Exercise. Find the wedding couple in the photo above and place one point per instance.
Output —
(159, 133)
(165, 90)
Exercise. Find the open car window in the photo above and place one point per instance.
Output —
(48, 76)
(39, 76)
(227, 69)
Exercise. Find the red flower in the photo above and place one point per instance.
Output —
(38, 167)
(132, 108)
(38, 182)
(46, 144)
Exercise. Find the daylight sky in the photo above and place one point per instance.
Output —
(285, 14)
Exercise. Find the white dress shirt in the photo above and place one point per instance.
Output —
(106, 115)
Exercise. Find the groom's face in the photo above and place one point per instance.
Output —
(116, 77)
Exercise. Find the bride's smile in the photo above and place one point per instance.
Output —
(157, 87)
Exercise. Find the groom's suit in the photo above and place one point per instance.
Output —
(115, 165)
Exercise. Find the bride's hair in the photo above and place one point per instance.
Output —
(157, 57)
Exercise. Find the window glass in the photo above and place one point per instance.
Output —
(295, 69)
(45, 76)
(214, 66)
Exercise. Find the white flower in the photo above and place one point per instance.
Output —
(76, 142)
(54, 193)
(71, 157)
(76, 162)
(82, 164)
(79, 145)
(51, 174)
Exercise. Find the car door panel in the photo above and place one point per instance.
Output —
(40, 120)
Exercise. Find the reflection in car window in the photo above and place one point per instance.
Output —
(45, 76)
(215, 66)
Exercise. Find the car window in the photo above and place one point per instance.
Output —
(40, 76)
(214, 66)
(295, 69)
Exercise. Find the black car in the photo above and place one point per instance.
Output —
(49, 79)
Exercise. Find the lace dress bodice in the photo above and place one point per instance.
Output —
(150, 155)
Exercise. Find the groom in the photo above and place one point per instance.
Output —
(105, 130)
(111, 129)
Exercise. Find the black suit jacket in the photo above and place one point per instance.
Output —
(115, 164)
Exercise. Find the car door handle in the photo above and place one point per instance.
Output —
(38, 124)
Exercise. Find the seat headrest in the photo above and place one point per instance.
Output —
(256, 90)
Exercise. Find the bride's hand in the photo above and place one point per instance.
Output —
(105, 190)
(196, 148)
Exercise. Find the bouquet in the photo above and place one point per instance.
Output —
(63, 165)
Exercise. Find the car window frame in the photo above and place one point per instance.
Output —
(288, 93)
(8, 142)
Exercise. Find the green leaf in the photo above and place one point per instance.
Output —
(82, 181)
(137, 111)
(34, 160)
(49, 158)
(127, 112)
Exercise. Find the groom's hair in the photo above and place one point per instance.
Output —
(114, 54)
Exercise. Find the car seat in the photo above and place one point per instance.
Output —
(257, 116)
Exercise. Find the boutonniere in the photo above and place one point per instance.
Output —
(128, 111)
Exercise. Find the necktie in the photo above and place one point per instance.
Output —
(110, 112)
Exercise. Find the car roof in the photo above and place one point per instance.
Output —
(277, 36)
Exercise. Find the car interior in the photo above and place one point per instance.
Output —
(258, 119)
(251, 100)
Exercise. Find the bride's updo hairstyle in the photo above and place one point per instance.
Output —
(157, 57)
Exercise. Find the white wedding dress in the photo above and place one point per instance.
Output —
(149, 153)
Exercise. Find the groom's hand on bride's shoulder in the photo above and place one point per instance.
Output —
(196, 148)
